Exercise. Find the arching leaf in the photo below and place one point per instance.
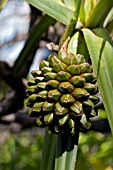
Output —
(54, 9)
(100, 48)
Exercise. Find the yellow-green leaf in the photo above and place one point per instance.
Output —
(86, 10)
(70, 4)
(108, 23)
(2, 3)
(99, 13)
(94, 12)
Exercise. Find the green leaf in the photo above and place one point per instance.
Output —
(71, 26)
(82, 13)
(60, 2)
(109, 17)
(2, 3)
(54, 9)
(110, 28)
(49, 149)
(71, 158)
(31, 44)
(86, 9)
(94, 12)
(71, 4)
(100, 48)
(99, 13)
(77, 45)
(102, 114)
(108, 23)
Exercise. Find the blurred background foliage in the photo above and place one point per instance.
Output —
(23, 150)
(20, 150)
(20, 144)
(95, 151)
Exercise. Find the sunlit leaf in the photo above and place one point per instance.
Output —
(82, 13)
(77, 45)
(99, 13)
(54, 9)
(2, 3)
(102, 114)
(60, 2)
(108, 23)
(100, 49)
(94, 12)
(86, 9)
(109, 17)
(70, 4)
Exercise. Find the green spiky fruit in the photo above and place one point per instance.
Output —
(63, 92)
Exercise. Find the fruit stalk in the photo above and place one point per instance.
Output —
(66, 152)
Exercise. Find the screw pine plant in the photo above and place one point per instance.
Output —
(62, 94)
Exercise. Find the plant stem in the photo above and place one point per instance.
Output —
(48, 153)
(71, 158)
(66, 151)
(71, 26)
(51, 161)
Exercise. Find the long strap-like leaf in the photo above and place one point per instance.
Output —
(100, 48)
(48, 154)
(53, 9)
(94, 12)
